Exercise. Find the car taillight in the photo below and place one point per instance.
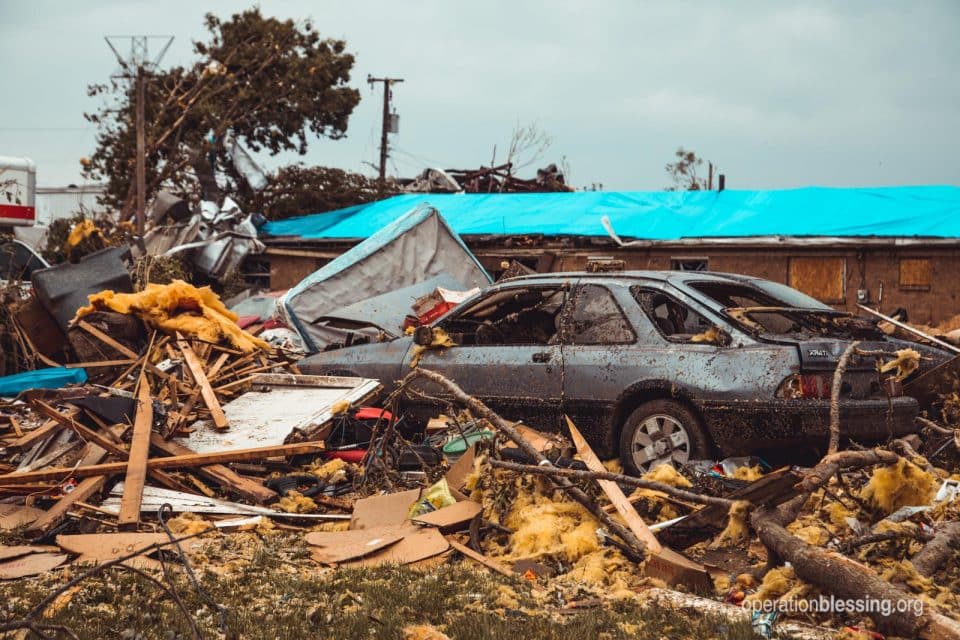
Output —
(805, 387)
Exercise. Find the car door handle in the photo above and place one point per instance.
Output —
(542, 356)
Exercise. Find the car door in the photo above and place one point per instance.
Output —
(507, 353)
(597, 342)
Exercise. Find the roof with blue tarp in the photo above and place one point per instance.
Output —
(928, 211)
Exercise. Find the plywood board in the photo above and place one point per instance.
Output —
(333, 547)
(31, 565)
(823, 277)
(13, 516)
(276, 406)
(97, 548)
(458, 473)
(16, 551)
(417, 544)
(383, 511)
(452, 517)
(915, 274)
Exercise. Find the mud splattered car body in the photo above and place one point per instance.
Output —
(654, 366)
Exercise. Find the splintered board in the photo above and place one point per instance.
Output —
(276, 405)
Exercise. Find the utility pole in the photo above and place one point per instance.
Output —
(135, 68)
(141, 152)
(386, 124)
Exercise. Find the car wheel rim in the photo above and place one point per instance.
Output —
(659, 439)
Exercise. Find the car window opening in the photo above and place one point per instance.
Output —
(762, 312)
(528, 316)
(673, 319)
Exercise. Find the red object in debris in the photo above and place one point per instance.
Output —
(350, 455)
(436, 312)
(372, 413)
(245, 321)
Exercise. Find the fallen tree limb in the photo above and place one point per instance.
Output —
(834, 444)
(899, 613)
(675, 492)
(940, 549)
(824, 470)
(481, 410)
(883, 536)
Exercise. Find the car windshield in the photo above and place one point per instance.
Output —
(770, 308)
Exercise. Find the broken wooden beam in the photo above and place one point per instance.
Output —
(171, 462)
(137, 458)
(206, 391)
(224, 476)
(613, 492)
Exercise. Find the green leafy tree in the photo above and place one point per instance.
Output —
(297, 190)
(270, 82)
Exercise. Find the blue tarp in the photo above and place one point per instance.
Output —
(661, 215)
(52, 378)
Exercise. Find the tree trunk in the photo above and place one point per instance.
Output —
(849, 580)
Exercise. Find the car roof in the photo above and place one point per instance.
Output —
(663, 276)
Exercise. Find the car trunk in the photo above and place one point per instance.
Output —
(820, 356)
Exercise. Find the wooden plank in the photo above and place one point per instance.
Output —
(104, 442)
(86, 488)
(32, 437)
(101, 363)
(225, 477)
(614, 493)
(107, 340)
(55, 514)
(15, 423)
(489, 563)
(217, 365)
(206, 391)
(171, 462)
(137, 458)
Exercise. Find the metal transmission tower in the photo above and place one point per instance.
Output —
(391, 121)
(134, 67)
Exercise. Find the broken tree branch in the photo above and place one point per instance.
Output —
(940, 549)
(835, 396)
(479, 409)
(675, 492)
(836, 574)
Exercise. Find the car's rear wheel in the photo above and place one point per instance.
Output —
(659, 432)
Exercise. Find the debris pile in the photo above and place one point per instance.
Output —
(181, 426)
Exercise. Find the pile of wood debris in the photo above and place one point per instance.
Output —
(175, 437)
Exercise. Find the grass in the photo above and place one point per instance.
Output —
(273, 591)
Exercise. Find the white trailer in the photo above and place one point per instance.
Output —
(18, 192)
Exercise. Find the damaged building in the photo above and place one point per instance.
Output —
(889, 248)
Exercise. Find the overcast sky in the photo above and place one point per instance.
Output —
(777, 94)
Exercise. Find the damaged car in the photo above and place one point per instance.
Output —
(652, 366)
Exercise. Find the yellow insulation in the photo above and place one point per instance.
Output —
(900, 485)
(81, 231)
(178, 306)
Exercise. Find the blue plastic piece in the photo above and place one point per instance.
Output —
(52, 378)
(926, 211)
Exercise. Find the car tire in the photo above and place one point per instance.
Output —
(659, 431)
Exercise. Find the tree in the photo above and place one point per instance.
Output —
(683, 172)
(297, 190)
(266, 81)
